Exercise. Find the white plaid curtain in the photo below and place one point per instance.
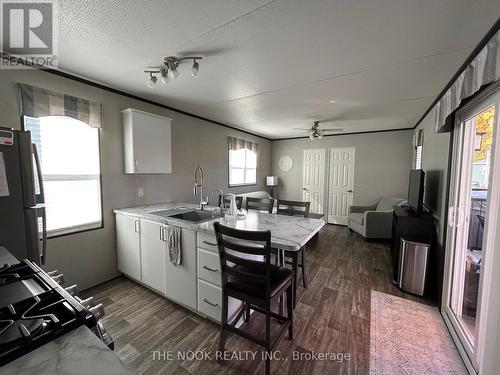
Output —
(38, 102)
(485, 68)
(239, 144)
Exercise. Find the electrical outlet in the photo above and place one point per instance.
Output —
(140, 192)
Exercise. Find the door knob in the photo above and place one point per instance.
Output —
(350, 191)
(305, 189)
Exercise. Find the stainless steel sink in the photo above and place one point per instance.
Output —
(194, 216)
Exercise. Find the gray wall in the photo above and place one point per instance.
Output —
(382, 164)
(435, 164)
(89, 258)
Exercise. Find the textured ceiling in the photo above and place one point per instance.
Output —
(271, 66)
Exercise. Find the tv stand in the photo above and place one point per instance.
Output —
(412, 226)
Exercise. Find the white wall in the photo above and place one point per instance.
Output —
(382, 164)
(89, 258)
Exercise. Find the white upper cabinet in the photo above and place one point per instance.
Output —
(147, 142)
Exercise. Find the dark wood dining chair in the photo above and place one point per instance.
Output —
(257, 283)
(259, 204)
(224, 201)
(295, 208)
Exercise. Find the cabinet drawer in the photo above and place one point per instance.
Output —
(210, 301)
(209, 266)
(207, 242)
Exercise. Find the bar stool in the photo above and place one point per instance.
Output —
(295, 208)
(260, 204)
(248, 275)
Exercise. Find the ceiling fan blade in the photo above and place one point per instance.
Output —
(304, 129)
(332, 130)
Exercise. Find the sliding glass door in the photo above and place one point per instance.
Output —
(470, 224)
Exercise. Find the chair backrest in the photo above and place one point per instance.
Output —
(241, 248)
(260, 204)
(226, 201)
(293, 208)
(388, 203)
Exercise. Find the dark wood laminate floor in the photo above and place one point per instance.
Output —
(332, 316)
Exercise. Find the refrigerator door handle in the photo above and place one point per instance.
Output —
(43, 215)
(27, 173)
(41, 196)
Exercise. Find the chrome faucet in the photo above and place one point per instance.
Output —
(198, 184)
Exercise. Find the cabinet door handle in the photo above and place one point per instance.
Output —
(210, 269)
(137, 226)
(162, 238)
(210, 243)
(210, 303)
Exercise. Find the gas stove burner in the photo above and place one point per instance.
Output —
(35, 309)
(19, 330)
(9, 274)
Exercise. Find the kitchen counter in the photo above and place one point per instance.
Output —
(6, 257)
(76, 353)
(287, 232)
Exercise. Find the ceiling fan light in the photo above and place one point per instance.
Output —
(195, 70)
(164, 76)
(152, 81)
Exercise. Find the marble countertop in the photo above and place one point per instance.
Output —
(76, 353)
(287, 232)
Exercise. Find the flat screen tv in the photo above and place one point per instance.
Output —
(416, 190)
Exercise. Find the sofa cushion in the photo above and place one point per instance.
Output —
(358, 218)
(387, 203)
(256, 194)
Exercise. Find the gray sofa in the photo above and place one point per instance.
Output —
(375, 221)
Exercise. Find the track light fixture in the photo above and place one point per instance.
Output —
(168, 71)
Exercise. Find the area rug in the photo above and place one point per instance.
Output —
(408, 337)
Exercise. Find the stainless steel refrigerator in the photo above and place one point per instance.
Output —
(23, 224)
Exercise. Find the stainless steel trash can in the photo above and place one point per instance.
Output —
(413, 259)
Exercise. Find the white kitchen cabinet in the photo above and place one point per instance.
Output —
(180, 283)
(147, 142)
(153, 255)
(128, 245)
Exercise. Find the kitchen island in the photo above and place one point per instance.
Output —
(287, 232)
(142, 251)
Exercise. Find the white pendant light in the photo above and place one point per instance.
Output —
(195, 70)
(152, 81)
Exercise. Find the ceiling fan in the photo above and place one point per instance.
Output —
(316, 133)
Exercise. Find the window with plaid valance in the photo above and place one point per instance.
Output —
(38, 102)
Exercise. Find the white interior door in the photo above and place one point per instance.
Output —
(340, 184)
(313, 179)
